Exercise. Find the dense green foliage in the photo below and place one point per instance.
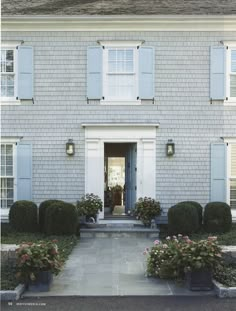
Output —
(61, 218)
(23, 216)
(183, 218)
(147, 209)
(42, 212)
(217, 217)
(89, 205)
(176, 256)
(199, 210)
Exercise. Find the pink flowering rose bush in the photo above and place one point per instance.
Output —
(177, 255)
(35, 257)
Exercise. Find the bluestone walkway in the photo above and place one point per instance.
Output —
(110, 267)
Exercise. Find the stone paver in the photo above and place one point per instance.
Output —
(109, 267)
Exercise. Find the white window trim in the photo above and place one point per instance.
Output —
(119, 44)
(230, 46)
(12, 100)
(229, 142)
(13, 142)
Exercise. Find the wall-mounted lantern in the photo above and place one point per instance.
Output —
(70, 147)
(170, 148)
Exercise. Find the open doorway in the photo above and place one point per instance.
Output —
(120, 167)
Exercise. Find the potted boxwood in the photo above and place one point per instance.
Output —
(36, 264)
(147, 209)
(89, 206)
(180, 258)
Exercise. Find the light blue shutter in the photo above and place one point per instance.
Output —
(218, 72)
(24, 171)
(25, 72)
(94, 72)
(146, 72)
(218, 172)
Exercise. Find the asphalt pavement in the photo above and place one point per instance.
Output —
(149, 303)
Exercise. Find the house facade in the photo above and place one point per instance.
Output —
(78, 89)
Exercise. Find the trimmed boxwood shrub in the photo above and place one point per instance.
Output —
(183, 219)
(23, 216)
(42, 212)
(217, 217)
(61, 218)
(199, 210)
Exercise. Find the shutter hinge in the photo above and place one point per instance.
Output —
(137, 97)
(211, 101)
(135, 169)
(135, 188)
(227, 47)
(17, 47)
(33, 100)
(227, 144)
(226, 98)
(138, 47)
(87, 101)
(153, 101)
(103, 97)
(17, 98)
(103, 47)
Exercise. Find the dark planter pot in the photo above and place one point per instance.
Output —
(42, 283)
(198, 280)
(90, 218)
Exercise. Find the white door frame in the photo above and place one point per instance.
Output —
(95, 138)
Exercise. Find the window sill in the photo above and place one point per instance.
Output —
(6, 102)
(230, 102)
(120, 102)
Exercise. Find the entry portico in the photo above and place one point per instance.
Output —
(144, 135)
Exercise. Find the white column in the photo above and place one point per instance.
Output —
(94, 169)
(149, 168)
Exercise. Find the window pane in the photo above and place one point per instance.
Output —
(233, 193)
(7, 193)
(233, 61)
(122, 86)
(233, 86)
(9, 150)
(10, 183)
(112, 55)
(9, 55)
(3, 170)
(7, 86)
(9, 170)
(3, 61)
(112, 66)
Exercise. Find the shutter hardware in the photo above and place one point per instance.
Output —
(153, 101)
(87, 101)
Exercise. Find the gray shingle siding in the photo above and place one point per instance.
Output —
(181, 106)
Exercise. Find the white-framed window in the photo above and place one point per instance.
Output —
(8, 73)
(120, 71)
(231, 74)
(8, 175)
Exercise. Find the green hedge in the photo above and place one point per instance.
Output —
(42, 212)
(199, 210)
(217, 217)
(23, 216)
(183, 219)
(61, 218)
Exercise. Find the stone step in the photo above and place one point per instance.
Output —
(119, 232)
